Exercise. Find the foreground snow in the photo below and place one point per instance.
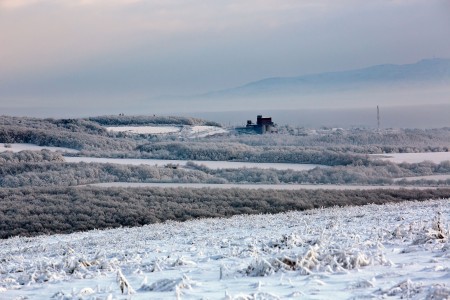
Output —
(396, 250)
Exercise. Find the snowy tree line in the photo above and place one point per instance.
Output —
(377, 173)
(70, 133)
(28, 168)
(34, 211)
(344, 150)
(123, 120)
(356, 140)
(222, 151)
(330, 147)
(340, 147)
(45, 168)
(73, 125)
(30, 156)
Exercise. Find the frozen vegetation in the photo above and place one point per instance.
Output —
(184, 163)
(289, 157)
(290, 187)
(398, 251)
(45, 168)
(91, 136)
(34, 210)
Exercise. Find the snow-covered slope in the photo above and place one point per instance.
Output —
(391, 251)
(185, 131)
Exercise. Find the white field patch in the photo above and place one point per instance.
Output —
(145, 129)
(426, 177)
(186, 131)
(398, 251)
(204, 131)
(290, 187)
(435, 157)
(182, 163)
(17, 147)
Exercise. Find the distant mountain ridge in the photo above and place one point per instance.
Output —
(426, 71)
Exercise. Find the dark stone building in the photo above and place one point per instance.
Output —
(263, 125)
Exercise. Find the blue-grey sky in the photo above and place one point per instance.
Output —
(79, 52)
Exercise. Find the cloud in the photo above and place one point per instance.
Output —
(15, 4)
(207, 45)
(20, 4)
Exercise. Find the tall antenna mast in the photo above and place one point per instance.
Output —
(378, 117)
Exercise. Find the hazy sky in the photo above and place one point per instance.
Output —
(65, 51)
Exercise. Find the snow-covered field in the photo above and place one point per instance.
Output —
(189, 131)
(17, 147)
(398, 251)
(209, 164)
(436, 157)
(145, 129)
(204, 131)
(258, 186)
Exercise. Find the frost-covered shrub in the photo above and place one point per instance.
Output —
(286, 242)
(169, 285)
(315, 259)
(124, 285)
(438, 232)
(261, 267)
(34, 211)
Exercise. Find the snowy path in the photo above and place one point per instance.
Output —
(390, 251)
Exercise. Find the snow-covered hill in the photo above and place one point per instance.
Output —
(391, 251)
